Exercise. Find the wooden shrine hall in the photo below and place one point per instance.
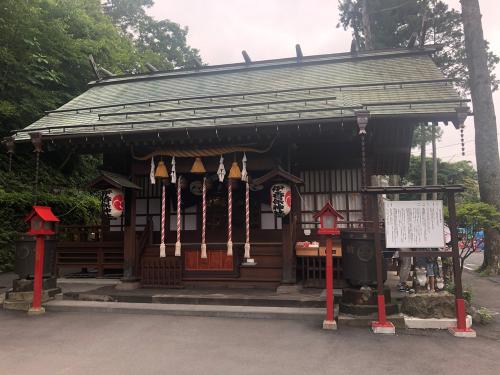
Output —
(213, 176)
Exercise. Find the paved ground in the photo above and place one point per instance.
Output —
(77, 343)
(74, 343)
(485, 292)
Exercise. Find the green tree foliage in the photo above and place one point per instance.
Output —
(426, 135)
(393, 22)
(460, 172)
(58, 187)
(161, 43)
(44, 48)
(478, 215)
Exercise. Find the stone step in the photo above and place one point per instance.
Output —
(251, 312)
(224, 300)
(16, 305)
(28, 296)
(365, 321)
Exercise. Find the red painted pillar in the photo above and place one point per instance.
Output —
(329, 280)
(38, 280)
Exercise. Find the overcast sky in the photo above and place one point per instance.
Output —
(268, 29)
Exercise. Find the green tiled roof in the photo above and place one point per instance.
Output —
(390, 82)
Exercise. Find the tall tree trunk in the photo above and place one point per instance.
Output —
(423, 166)
(367, 29)
(488, 163)
(434, 160)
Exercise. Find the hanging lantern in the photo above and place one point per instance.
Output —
(161, 170)
(235, 172)
(113, 203)
(281, 199)
(198, 166)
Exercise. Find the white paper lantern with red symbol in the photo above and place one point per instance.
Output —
(113, 203)
(281, 199)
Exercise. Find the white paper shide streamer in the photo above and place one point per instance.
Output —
(152, 172)
(173, 175)
(244, 172)
(221, 172)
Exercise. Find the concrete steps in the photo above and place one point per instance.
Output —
(248, 312)
(22, 300)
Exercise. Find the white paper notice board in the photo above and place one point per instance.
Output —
(416, 224)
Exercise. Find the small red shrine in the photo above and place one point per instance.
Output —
(328, 218)
(42, 221)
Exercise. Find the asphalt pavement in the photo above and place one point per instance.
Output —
(76, 343)
(108, 343)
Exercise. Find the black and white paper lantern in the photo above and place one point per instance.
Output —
(281, 199)
(113, 203)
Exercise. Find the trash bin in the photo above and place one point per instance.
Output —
(359, 265)
(24, 263)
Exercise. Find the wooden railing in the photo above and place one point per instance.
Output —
(161, 272)
(311, 271)
(87, 247)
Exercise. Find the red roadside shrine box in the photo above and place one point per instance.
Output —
(328, 218)
(41, 221)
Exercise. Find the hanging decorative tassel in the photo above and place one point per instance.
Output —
(152, 172)
(162, 244)
(173, 174)
(229, 218)
(204, 220)
(462, 138)
(178, 243)
(221, 172)
(247, 221)
(244, 173)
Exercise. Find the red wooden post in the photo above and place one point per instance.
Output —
(328, 217)
(329, 280)
(36, 305)
(42, 221)
(381, 325)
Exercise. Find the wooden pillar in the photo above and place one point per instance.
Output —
(129, 237)
(288, 275)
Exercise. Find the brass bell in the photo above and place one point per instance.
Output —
(161, 170)
(235, 171)
(198, 166)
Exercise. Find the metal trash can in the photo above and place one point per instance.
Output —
(24, 263)
(358, 259)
